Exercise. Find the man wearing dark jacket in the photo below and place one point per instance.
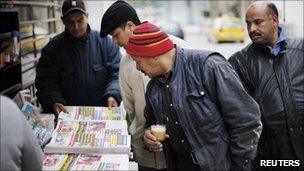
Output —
(212, 123)
(78, 67)
(271, 69)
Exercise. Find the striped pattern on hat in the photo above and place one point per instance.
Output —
(148, 41)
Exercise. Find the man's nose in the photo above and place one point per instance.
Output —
(75, 25)
(137, 66)
(251, 28)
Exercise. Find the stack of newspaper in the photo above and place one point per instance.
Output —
(92, 113)
(89, 138)
(85, 162)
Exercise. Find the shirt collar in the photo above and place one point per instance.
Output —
(282, 34)
(277, 47)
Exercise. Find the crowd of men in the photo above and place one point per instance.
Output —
(235, 114)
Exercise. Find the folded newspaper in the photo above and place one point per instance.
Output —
(89, 137)
(41, 124)
(92, 113)
(86, 162)
(22, 97)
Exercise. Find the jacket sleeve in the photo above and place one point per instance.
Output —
(248, 83)
(113, 59)
(19, 146)
(240, 112)
(47, 79)
(126, 92)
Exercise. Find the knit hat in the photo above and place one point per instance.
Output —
(148, 41)
(116, 15)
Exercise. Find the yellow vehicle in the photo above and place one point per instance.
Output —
(226, 29)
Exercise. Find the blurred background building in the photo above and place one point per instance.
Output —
(196, 18)
(202, 13)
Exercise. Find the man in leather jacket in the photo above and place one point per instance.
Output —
(271, 69)
(212, 122)
(119, 20)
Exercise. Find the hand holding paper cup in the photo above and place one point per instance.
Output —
(159, 131)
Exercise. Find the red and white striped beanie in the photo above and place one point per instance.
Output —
(148, 41)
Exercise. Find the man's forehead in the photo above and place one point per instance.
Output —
(256, 13)
(75, 15)
(257, 8)
(115, 31)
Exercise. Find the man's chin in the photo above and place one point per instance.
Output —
(148, 75)
(255, 41)
(78, 35)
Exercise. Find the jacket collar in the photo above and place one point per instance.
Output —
(279, 46)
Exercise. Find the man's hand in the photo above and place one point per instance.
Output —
(111, 102)
(57, 108)
(152, 143)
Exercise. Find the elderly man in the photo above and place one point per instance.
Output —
(212, 123)
(120, 20)
(78, 67)
(271, 69)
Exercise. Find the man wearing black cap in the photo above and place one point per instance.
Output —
(78, 67)
(120, 21)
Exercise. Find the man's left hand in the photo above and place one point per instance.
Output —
(111, 102)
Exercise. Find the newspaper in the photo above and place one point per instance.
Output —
(89, 137)
(86, 162)
(57, 161)
(22, 96)
(92, 113)
(41, 124)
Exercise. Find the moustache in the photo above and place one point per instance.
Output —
(252, 34)
(142, 71)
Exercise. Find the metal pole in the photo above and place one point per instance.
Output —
(284, 11)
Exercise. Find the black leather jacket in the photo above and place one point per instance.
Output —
(220, 119)
(277, 84)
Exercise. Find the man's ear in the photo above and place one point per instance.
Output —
(130, 25)
(275, 20)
